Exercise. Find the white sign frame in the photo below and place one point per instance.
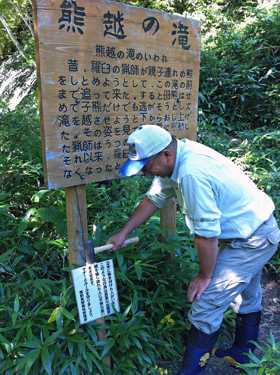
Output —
(96, 291)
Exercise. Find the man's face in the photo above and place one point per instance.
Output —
(156, 166)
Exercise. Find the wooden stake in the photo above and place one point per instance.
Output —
(168, 220)
(76, 215)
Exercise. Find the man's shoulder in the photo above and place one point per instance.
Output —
(191, 150)
(199, 160)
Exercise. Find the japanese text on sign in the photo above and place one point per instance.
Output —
(107, 78)
(96, 291)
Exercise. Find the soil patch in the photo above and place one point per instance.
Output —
(270, 320)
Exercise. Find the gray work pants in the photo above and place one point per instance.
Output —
(236, 278)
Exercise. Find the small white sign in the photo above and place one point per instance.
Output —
(96, 290)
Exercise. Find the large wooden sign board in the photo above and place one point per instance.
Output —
(104, 69)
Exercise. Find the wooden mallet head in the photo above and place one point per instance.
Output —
(90, 251)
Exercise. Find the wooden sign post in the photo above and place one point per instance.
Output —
(104, 69)
(76, 215)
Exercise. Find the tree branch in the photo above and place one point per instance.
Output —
(31, 3)
(25, 20)
(11, 35)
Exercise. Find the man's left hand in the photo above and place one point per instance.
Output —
(197, 286)
(207, 252)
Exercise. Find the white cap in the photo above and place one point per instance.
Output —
(146, 141)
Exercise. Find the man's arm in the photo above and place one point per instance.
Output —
(143, 212)
(207, 249)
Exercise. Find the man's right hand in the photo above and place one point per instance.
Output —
(117, 240)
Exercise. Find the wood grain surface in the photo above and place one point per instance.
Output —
(104, 69)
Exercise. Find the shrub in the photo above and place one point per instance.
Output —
(239, 76)
(270, 361)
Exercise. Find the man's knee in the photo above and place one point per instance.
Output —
(205, 318)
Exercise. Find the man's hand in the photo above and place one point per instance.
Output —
(117, 240)
(197, 286)
(207, 253)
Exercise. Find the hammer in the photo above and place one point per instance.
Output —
(90, 251)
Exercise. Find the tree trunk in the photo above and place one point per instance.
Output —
(9, 31)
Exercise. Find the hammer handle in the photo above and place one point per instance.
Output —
(108, 247)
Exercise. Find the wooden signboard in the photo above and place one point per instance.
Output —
(104, 69)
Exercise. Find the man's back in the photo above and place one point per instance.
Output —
(217, 198)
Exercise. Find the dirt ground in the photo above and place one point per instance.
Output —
(271, 312)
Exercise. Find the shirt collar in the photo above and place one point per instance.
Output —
(174, 175)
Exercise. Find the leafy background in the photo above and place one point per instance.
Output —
(238, 116)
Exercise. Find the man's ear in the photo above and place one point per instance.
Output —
(167, 154)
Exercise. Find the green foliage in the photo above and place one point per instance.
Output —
(162, 5)
(18, 14)
(270, 361)
(239, 76)
(213, 13)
